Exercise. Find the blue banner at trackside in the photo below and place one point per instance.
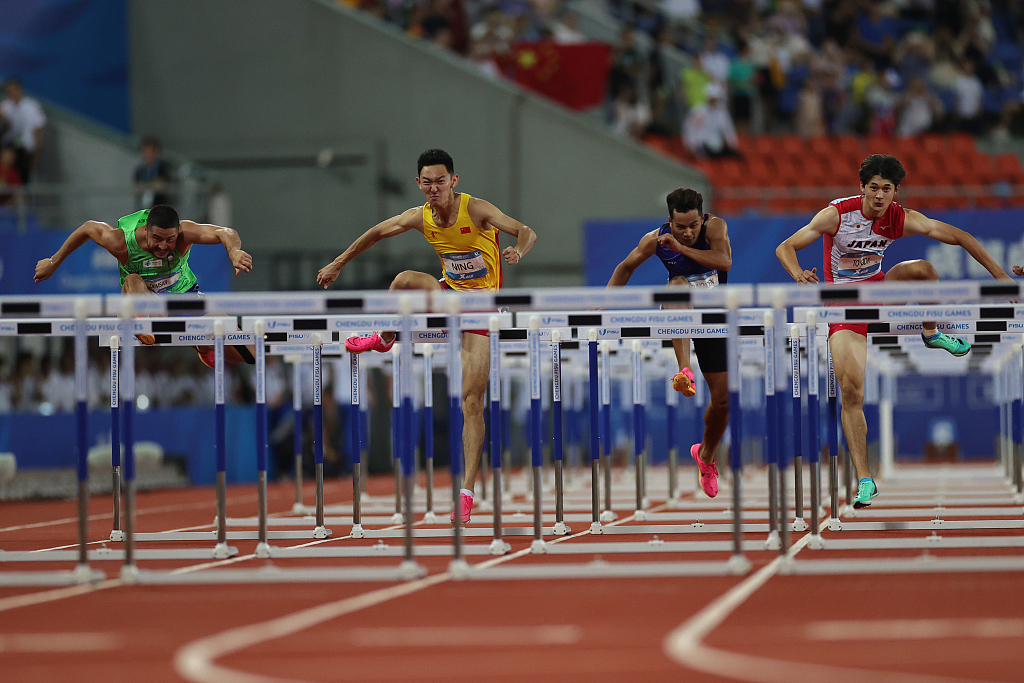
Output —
(754, 239)
(72, 52)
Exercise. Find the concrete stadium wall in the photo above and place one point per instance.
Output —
(256, 88)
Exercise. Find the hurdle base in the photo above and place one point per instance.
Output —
(539, 546)
(431, 518)
(83, 573)
(264, 551)
(674, 503)
(835, 525)
(398, 518)
(738, 565)
(608, 516)
(799, 524)
(640, 516)
(1018, 498)
(561, 529)
(117, 535)
(596, 528)
(816, 542)
(459, 569)
(357, 531)
(848, 511)
(773, 542)
(484, 505)
(223, 551)
(498, 547)
(786, 564)
(409, 570)
(321, 532)
(129, 574)
(298, 509)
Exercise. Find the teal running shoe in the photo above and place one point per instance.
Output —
(956, 346)
(866, 490)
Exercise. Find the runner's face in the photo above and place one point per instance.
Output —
(878, 194)
(437, 184)
(161, 241)
(685, 226)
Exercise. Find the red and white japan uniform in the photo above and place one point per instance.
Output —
(854, 253)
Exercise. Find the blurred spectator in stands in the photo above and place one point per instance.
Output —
(881, 99)
(25, 380)
(680, 11)
(481, 55)
(742, 88)
(715, 61)
(840, 21)
(789, 17)
(6, 390)
(913, 56)
(828, 66)
(708, 129)
(21, 124)
(628, 68)
(917, 109)
(810, 110)
(630, 114)
(967, 97)
(876, 33)
(564, 30)
(664, 120)
(442, 22)
(694, 80)
(493, 36)
(57, 385)
(153, 177)
(10, 178)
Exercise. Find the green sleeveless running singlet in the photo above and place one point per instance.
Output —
(169, 275)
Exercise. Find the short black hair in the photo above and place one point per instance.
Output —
(683, 200)
(435, 157)
(885, 165)
(14, 80)
(151, 140)
(164, 217)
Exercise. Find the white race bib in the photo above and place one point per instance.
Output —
(859, 264)
(464, 266)
(164, 283)
(703, 280)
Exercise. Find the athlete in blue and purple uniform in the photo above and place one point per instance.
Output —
(694, 246)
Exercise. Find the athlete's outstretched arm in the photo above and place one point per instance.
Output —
(204, 233)
(825, 221)
(642, 252)
(917, 223)
(396, 225)
(482, 211)
(100, 233)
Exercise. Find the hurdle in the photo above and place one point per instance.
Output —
(81, 308)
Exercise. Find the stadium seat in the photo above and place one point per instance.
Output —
(961, 143)
(1007, 167)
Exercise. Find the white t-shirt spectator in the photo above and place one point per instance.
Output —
(709, 126)
(25, 118)
(968, 92)
(59, 391)
(680, 10)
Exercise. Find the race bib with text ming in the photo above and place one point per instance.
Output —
(703, 280)
(859, 264)
(162, 284)
(464, 266)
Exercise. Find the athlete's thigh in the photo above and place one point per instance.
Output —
(905, 270)
(849, 355)
(414, 279)
(475, 364)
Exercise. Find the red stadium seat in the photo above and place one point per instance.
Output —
(764, 145)
(850, 145)
(960, 143)
(1007, 167)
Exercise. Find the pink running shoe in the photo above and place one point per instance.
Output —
(371, 343)
(465, 508)
(708, 472)
(684, 382)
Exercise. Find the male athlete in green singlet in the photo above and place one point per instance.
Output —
(152, 249)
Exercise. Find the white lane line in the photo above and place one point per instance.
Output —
(196, 661)
(39, 597)
(913, 629)
(684, 645)
(466, 636)
(141, 511)
(56, 643)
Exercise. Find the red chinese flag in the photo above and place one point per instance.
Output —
(574, 75)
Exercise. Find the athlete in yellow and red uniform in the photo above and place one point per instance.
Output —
(464, 232)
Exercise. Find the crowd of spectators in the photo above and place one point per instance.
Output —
(880, 67)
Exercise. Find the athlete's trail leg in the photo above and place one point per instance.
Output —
(410, 279)
(914, 270)
(849, 354)
(475, 366)
(716, 416)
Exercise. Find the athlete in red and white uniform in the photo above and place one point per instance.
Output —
(856, 232)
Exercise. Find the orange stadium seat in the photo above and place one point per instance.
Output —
(821, 145)
(960, 143)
